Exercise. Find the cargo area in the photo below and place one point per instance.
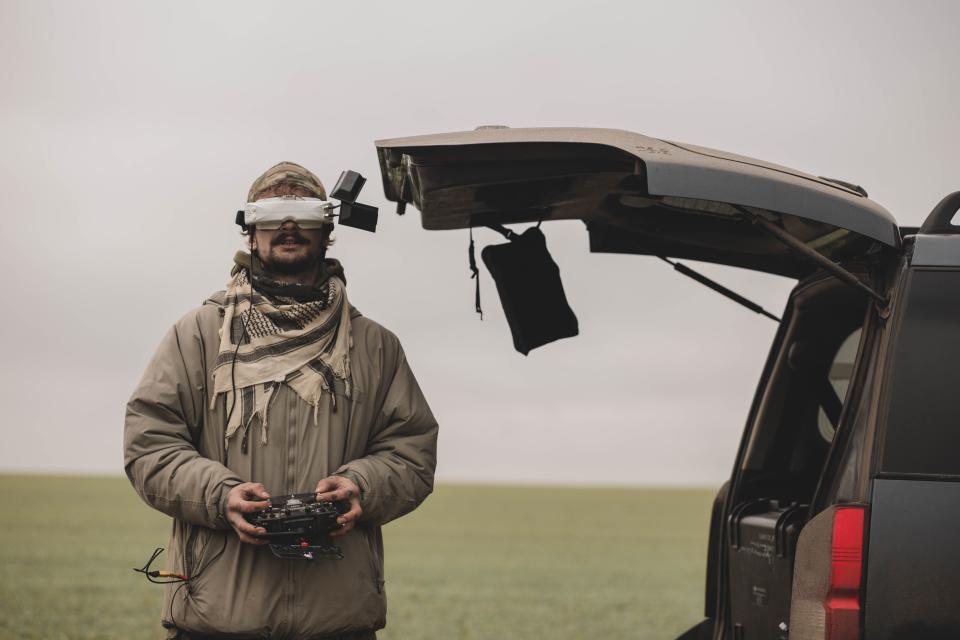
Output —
(795, 420)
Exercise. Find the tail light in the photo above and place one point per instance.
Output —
(842, 604)
(828, 575)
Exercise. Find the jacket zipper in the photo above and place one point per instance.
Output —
(293, 416)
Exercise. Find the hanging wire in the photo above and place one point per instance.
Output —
(471, 254)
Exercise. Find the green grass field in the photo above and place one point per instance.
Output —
(473, 562)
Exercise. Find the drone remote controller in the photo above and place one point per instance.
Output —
(298, 526)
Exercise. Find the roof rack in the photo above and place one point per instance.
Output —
(939, 222)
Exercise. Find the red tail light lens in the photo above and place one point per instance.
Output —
(842, 603)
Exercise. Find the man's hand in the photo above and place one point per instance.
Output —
(335, 489)
(243, 499)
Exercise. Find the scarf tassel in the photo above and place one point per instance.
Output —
(261, 410)
(269, 393)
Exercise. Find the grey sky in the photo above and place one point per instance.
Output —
(130, 132)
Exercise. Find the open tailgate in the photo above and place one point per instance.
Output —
(636, 194)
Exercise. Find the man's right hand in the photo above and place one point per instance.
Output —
(248, 497)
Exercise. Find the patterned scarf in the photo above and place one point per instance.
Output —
(273, 339)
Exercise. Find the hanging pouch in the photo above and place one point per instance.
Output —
(531, 293)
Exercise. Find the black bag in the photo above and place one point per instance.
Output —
(531, 293)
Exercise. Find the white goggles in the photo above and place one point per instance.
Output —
(271, 213)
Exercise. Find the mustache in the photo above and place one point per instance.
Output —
(283, 237)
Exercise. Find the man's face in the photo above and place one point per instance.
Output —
(289, 250)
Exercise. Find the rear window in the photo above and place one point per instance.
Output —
(923, 424)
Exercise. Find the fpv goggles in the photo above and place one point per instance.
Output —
(313, 213)
(271, 213)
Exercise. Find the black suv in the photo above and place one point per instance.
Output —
(837, 521)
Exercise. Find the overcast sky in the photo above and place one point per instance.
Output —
(130, 132)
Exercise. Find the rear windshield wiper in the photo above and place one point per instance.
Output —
(719, 288)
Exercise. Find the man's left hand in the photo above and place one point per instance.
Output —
(340, 488)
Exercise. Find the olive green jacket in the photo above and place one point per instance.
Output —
(383, 437)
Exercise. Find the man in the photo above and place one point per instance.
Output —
(278, 386)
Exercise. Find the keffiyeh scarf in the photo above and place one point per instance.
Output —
(273, 339)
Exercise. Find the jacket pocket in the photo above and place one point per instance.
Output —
(375, 547)
(193, 549)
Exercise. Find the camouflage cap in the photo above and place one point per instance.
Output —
(287, 173)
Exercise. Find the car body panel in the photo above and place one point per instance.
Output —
(912, 562)
(936, 251)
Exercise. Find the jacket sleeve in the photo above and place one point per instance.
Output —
(396, 474)
(160, 458)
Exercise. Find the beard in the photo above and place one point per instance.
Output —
(280, 263)
(291, 266)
